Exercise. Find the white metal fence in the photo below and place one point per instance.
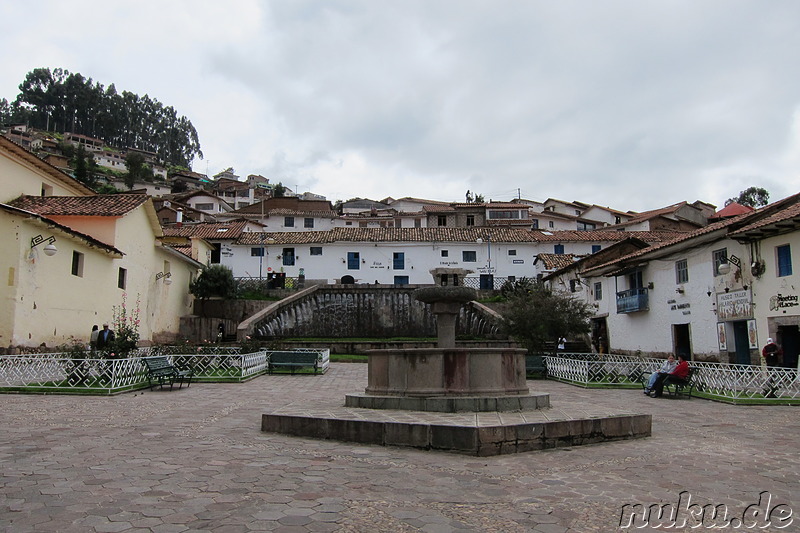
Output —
(722, 381)
(63, 373)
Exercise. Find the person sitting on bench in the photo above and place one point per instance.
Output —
(667, 367)
(678, 375)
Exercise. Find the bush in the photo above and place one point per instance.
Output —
(215, 280)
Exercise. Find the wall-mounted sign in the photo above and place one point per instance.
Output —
(779, 301)
(734, 305)
(751, 334)
(487, 270)
(723, 343)
(518, 261)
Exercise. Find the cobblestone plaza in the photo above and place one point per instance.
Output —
(195, 460)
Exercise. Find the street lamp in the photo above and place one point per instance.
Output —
(49, 249)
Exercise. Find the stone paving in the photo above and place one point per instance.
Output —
(195, 460)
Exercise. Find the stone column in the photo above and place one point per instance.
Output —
(446, 315)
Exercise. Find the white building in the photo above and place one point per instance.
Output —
(717, 293)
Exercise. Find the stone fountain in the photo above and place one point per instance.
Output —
(447, 378)
(450, 398)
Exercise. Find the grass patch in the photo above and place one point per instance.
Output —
(348, 358)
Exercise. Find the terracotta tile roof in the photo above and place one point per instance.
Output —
(604, 236)
(711, 228)
(732, 209)
(438, 208)
(422, 235)
(297, 213)
(555, 261)
(440, 234)
(209, 230)
(787, 215)
(102, 205)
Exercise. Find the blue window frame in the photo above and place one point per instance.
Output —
(784, 260)
(398, 260)
(558, 249)
(353, 261)
(595, 248)
(401, 280)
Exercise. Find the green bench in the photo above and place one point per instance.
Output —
(160, 372)
(293, 360)
(681, 387)
(535, 364)
(675, 389)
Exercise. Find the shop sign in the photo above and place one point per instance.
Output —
(734, 305)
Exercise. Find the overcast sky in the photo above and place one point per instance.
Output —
(629, 104)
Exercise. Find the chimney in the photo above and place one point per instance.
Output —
(179, 218)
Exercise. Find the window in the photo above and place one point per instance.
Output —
(719, 257)
(512, 252)
(288, 222)
(470, 220)
(550, 224)
(535, 223)
(308, 222)
(681, 271)
(784, 260)
(586, 226)
(316, 250)
(288, 256)
(204, 207)
(401, 280)
(417, 222)
(441, 220)
(216, 253)
(617, 220)
(77, 264)
(398, 260)
(445, 253)
(598, 291)
(469, 256)
(353, 261)
(596, 248)
(362, 224)
(558, 249)
(257, 252)
(122, 278)
(574, 285)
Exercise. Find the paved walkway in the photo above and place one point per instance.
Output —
(195, 460)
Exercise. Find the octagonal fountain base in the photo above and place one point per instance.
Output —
(448, 380)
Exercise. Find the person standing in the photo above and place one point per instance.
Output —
(105, 338)
(93, 337)
(771, 354)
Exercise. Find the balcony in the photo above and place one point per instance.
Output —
(633, 300)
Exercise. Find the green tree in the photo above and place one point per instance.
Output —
(752, 197)
(214, 281)
(279, 191)
(538, 316)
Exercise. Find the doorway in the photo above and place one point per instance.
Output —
(681, 340)
(789, 338)
(487, 282)
(742, 343)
